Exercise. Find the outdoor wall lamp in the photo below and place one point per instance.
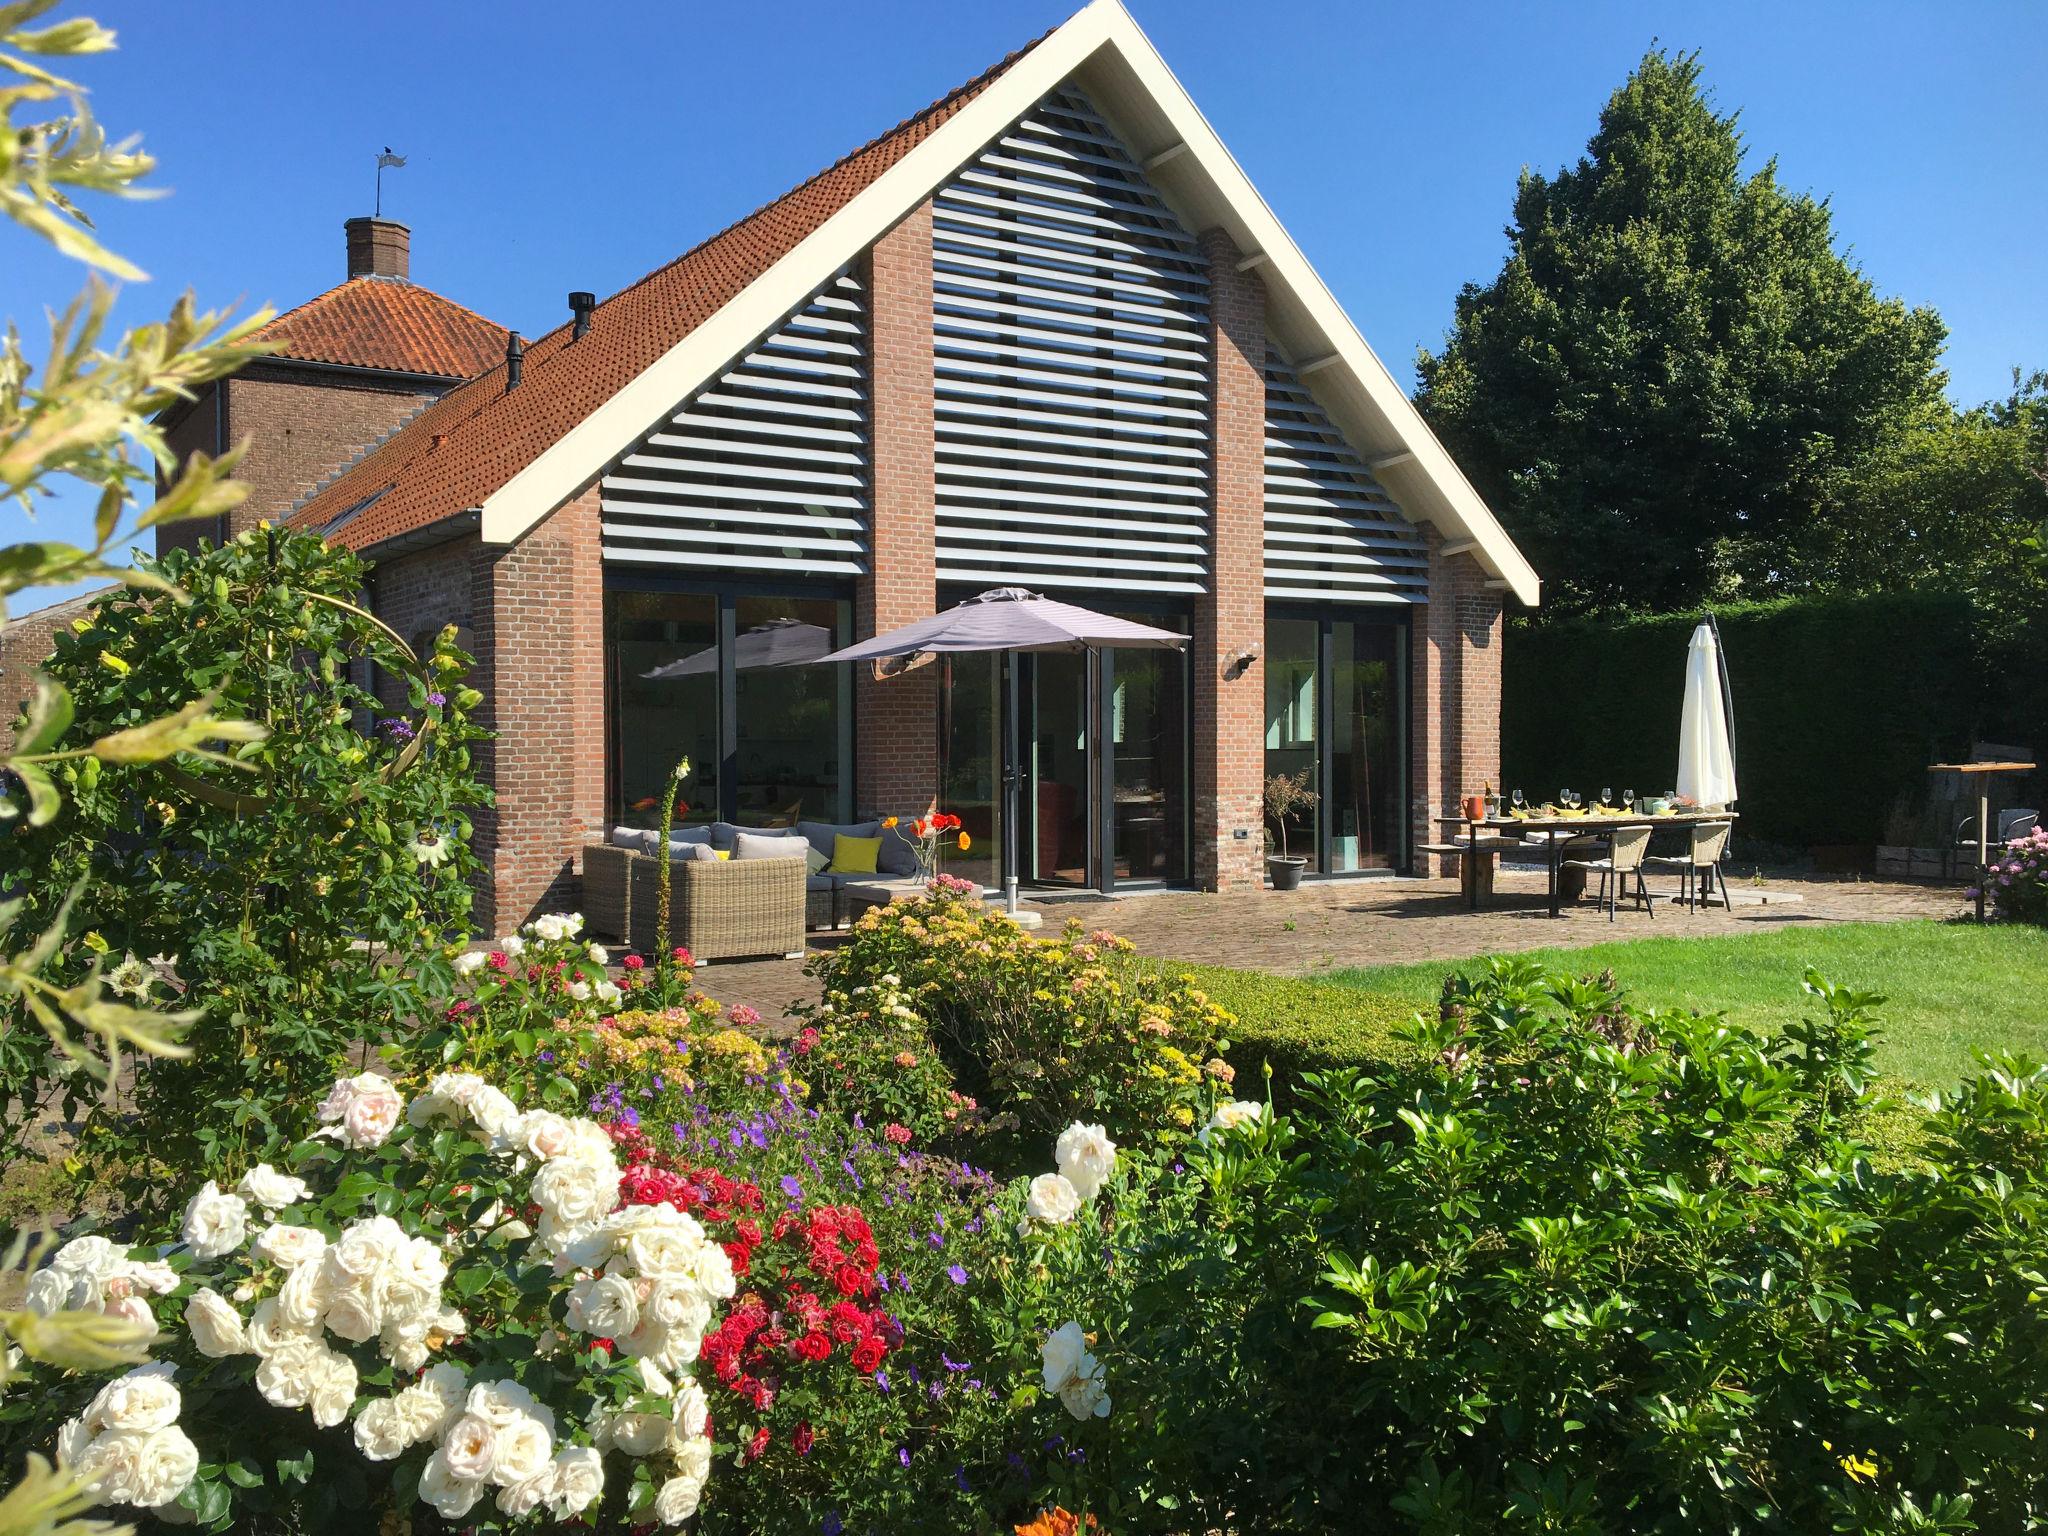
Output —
(1241, 663)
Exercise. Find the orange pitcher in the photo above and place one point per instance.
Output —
(1475, 807)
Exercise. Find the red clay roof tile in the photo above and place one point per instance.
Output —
(475, 438)
(389, 324)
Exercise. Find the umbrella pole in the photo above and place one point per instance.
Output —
(1012, 771)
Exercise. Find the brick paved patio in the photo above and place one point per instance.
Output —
(1329, 926)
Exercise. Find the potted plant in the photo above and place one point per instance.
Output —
(1286, 794)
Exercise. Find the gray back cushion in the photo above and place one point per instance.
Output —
(761, 845)
(681, 840)
(722, 833)
(637, 838)
(702, 852)
(898, 855)
(820, 834)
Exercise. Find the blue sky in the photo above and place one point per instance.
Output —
(556, 147)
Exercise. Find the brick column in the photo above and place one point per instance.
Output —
(537, 613)
(1454, 688)
(1230, 618)
(896, 729)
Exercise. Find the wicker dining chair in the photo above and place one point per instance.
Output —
(1626, 848)
(1700, 868)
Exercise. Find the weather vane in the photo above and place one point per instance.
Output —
(387, 158)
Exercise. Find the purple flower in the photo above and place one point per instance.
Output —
(548, 1056)
(960, 1478)
(954, 1365)
(631, 1117)
(903, 1454)
(956, 1274)
(882, 1381)
(791, 1188)
(832, 1524)
(437, 699)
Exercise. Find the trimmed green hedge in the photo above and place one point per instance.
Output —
(1840, 705)
(1300, 1026)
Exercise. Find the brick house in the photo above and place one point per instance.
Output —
(1043, 333)
(350, 366)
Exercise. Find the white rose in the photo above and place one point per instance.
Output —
(638, 1434)
(352, 1314)
(606, 1308)
(692, 1415)
(541, 1132)
(151, 1275)
(286, 1376)
(471, 1448)
(677, 1500)
(499, 1403)
(492, 1111)
(132, 1309)
(157, 1466)
(598, 953)
(362, 1111)
(365, 1249)
(50, 1290)
(1073, 1373)
(1086, 1156)
(215, 1326)
(470, 962)
(1053, 1199)
(524, 1449)
(215, 1224)
(578, 1481)
(432, 1403)
(269, 1330)
(1086, 1397)
(382, 1431)
(74, 1442)
(607, 992)
(333, 1388)
(590, 1143)
(451, 1495)
(270, 1189)
(288, 1247)
(521, 1499)
(677, 1305)
(512, 945)
(571, 1193)
(302, 1302)
(1228, 1117)
(145, 1398)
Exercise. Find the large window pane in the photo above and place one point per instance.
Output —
(1291, 723)
(1148, 725)
(1365, 771)
(970, 766)
(1061, 764)
(788, 764)
(662, 648)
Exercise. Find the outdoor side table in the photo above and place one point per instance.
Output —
(1983, 772)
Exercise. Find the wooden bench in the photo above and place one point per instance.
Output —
(1476, 860)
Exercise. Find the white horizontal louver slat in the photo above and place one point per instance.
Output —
(1072, 367)
(1332, 532)
(766, 468)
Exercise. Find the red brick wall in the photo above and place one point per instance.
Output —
(302, 425)
(897, 721)
(537, 618)
(194, 431)
(25, 645)
(1454, 685)
(1229, 730)
(417, 595)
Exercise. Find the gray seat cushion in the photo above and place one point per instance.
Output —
(823, 882)
(761, 845)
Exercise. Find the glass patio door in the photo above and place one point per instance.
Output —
(1060, 804)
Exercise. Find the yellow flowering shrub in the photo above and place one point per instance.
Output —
(1042, 1030)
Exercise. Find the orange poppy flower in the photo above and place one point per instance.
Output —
(966, 842)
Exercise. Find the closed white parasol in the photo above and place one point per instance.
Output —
(1706, 731)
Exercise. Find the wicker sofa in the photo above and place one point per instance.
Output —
(718, 909)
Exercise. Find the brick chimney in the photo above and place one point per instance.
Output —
(378, 248)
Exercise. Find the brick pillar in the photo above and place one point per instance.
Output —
(1454, 688)
(1230, 618)
(896, 730)
(538, 616)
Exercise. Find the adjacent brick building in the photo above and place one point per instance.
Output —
(1041, 334)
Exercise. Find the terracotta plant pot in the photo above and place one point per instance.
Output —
(1475, 807)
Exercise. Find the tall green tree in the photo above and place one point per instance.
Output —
(1662, 388)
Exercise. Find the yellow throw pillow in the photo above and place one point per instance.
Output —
(854, 855)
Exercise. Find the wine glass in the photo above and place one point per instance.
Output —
(1606, 799)
(1628, 799)
(1517, 798)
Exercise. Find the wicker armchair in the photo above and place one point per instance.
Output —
(718, 910)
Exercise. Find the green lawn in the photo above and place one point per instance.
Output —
(1951, 986)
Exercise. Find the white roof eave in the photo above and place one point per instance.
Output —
(1126, 78)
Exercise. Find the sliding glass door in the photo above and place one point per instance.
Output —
(1336, 711)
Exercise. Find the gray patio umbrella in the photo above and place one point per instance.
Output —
(777, 643)
(1010, 619)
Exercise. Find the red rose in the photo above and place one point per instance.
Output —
(801, 1439)
(814, 1346)
(806, 1041)
(757, 1445)
(632, 962)
(869, 1354)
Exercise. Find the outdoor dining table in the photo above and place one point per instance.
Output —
(1564, 829)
